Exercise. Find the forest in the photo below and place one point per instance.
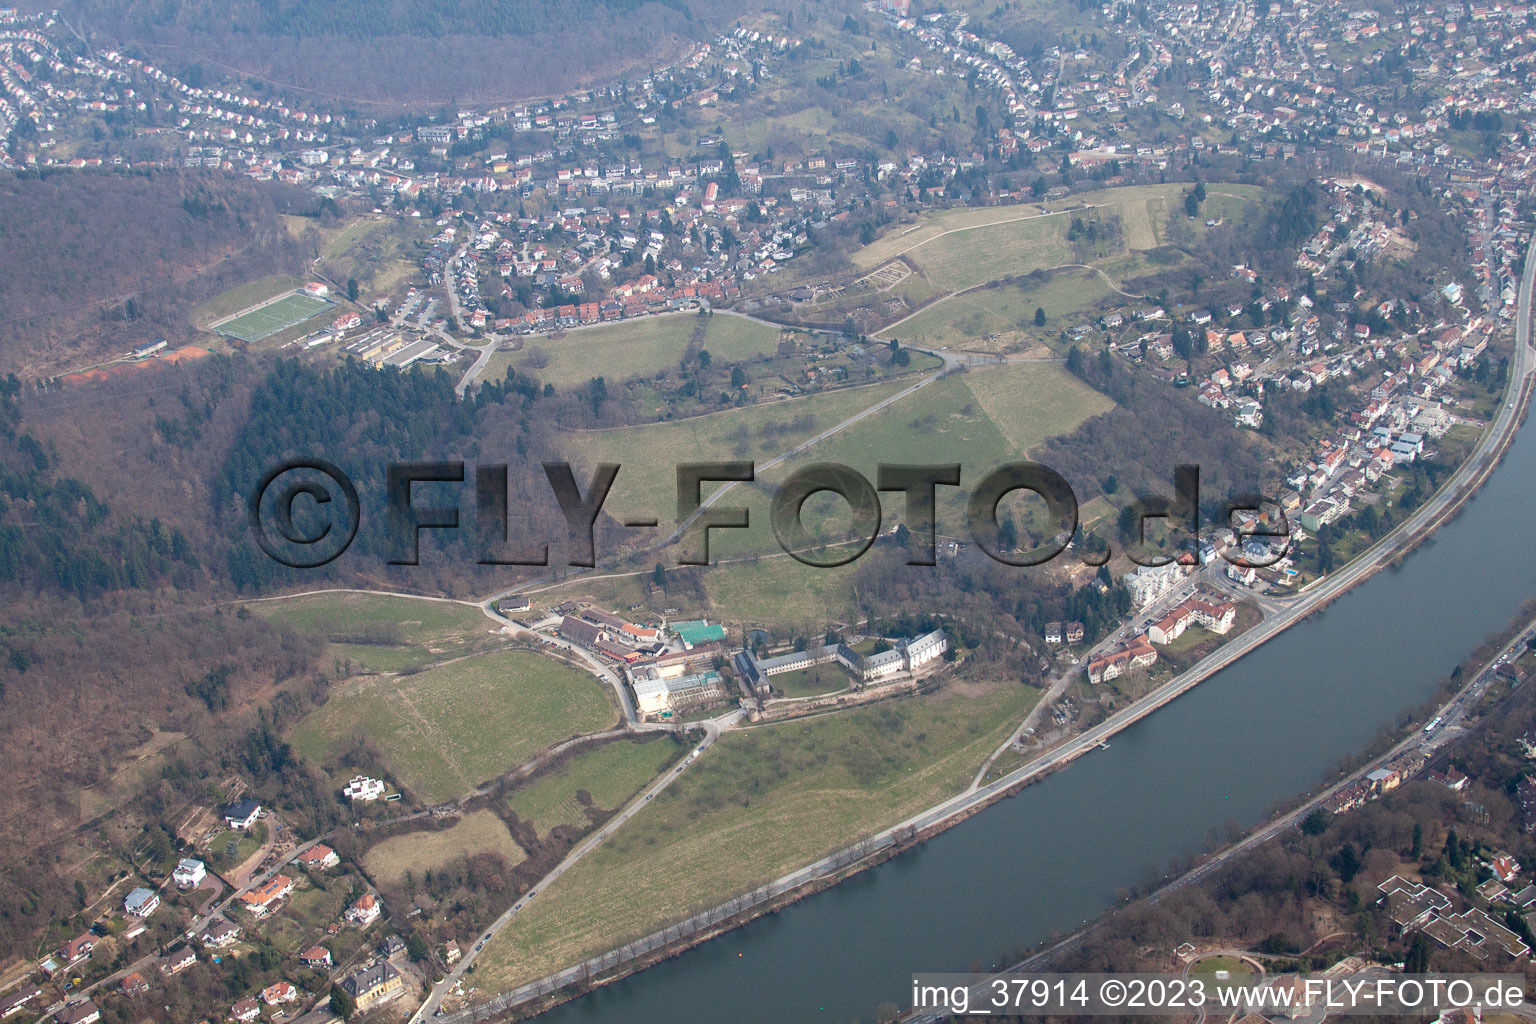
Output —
(396, 55)
(95, 264)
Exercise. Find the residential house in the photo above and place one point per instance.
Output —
(263, 898)
(279, 993)
(141, 902)
(1504, 866)
(242, 814)
(244, 1010)
(364, 789)
(370, 986)
(316, 957)
(363, 912)
(219, 933)
(133, 984)
(180, 960)
(13, 1003)
(82, 1012)
(318, 858)
(1451, 779)
(77, 951)
(189, 873)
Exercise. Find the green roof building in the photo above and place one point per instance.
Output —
(698, 631)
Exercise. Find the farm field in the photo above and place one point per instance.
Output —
(476, 833)
(277, 315)
(763, 802)
(963, 248)
(776, 589)
(448, 729)
(634, 348)
(384, 633)
(963, 321)
(647, 486)
(609, 774)
(983, 418)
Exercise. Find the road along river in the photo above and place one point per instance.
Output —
(1050, 858)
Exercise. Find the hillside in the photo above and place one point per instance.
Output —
(95, 264)
(356, 54)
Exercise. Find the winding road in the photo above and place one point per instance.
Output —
(1447, 499)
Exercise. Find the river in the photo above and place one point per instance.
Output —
(1052, 857)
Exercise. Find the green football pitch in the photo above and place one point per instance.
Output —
(277, 315)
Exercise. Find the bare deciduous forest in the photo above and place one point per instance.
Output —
(387, 56)
(94, 264)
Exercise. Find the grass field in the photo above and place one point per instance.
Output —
(811, 682)
(243, 297)
(634, 348)
(982, 418)
(610, 775)
(961, 321)
(384, 633)
(647, 485)
(480, 832)
(763, 802)
(777, 590)
(277, 315)
(963, 248)
(1230, 964)
(378, 252)
(447, 729)
(303, 916)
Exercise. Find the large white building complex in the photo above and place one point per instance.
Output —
(1148, 583)
(905, 657)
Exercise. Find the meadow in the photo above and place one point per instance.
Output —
(969, 320)
(447, 729)
(383, 633)
(647, 485)
(961, 249)
(609, 775)
(763, 802)
(982, 418)
(476, 833)
(641, 347)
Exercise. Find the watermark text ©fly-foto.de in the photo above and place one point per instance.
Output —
(305, 513)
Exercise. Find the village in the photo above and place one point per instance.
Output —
(613, 237)
(287, 896)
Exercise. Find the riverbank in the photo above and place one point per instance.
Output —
(1488, 655)
(1389, 551)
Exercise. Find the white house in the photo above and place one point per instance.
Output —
(242, 814)
(189, 873)
(364, 912)
(363, 788)
(141, 902)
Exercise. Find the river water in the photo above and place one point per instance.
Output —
(1043, 862)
